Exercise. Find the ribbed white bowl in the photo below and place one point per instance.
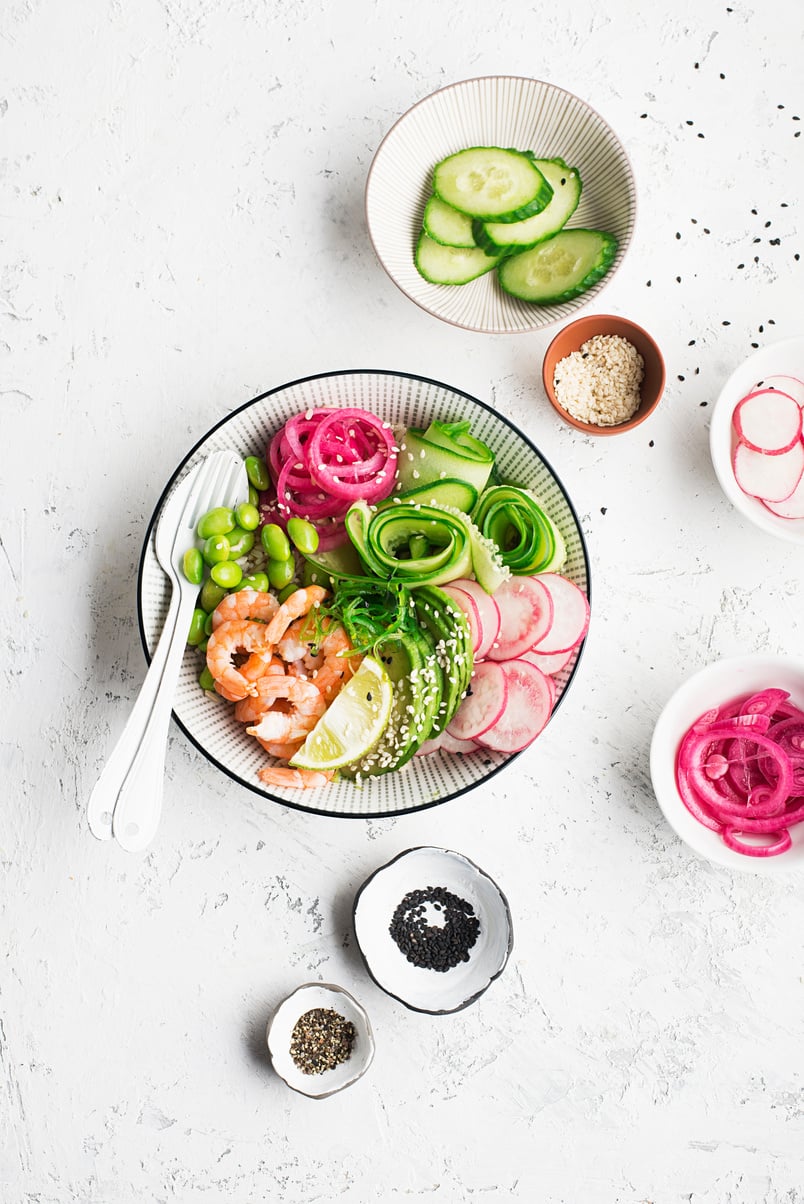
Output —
(396, 398)
(497, 110)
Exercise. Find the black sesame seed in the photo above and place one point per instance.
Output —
(603, 509)
(651, 444)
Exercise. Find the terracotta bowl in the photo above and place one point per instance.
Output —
(571, 339)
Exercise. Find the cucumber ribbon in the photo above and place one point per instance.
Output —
(528, 540)
(445, 449)
(422, 545)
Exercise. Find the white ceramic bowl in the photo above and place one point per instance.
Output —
(397, 398)
(280, 1029)
(713, 686)
(426, 990)
(785, 358)
(496, 110)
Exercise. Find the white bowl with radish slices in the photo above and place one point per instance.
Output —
(700, 703)
(757, 439)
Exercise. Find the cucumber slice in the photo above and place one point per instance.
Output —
(451, 265)
(519, 236)
(445, 625)
(492, 184)
(560, 268)
(446, 225)
(447, 492)
(422, 460)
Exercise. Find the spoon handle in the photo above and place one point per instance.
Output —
(100, 808)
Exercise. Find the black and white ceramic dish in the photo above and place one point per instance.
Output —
(400, 399)
(494, 110)
(280, 1029)
(427, 990)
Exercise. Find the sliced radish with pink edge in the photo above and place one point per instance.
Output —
(787, 384)
(430, 746)
(526, 615)
(484, 703)
(548, 662)
(570, 614)
(768, 421)
(452, 744)
(792, 507)
(488, 610)
(526, 712)
(469, 608)
(770, 478)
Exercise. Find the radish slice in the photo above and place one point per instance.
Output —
(526, 613)
(452, 744)
(548, 662)
(786, 384)
(488, 610)
(570, 615)
(469, 608)
(526, 712)
(770, 478)
(483, 705)
(792, 506)
(768, 421)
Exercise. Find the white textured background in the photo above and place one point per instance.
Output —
(181, 212)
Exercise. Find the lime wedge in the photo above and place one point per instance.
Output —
(352, 724)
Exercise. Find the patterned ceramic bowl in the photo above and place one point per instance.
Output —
(400, 399)
(504, 111)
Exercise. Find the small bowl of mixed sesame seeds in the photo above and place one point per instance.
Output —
(320, 1040)
(603, 374)
(434, 930)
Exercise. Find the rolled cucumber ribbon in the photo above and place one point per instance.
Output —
(445, 449)
(528, 540)
(418, 545)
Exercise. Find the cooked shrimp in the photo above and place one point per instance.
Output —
(245, 604)
(295, 779)
(295, 643)
(296, 708)
(283, 752)
(238, 638)
(251, 708)
(336, 668)
(299, 603)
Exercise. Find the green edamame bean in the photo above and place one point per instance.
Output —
(280, 573)
(275, 542)
(219, 521)
(253, 496)
(240, 543)
(247, 516)
(202, 647)
(216, 549)
(208, 626)
(196, 632)
(226, 573)
(285, 593)
(193, 565)
(304, 535)
(258, 581)
(211, 595)
(257, 472)
(205, 679)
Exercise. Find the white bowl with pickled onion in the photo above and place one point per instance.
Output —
(765, 463)
(714, 688)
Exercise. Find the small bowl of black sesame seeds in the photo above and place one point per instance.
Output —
(320, 1040)
(434, 929)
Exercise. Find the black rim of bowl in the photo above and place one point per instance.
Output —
(506, 908)
(429, 380)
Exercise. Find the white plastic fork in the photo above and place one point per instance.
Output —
(221, 482)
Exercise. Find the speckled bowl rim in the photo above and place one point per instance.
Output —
(588, 428)
(429, 848)
(325, 986)
(299, 806)
(460, 83)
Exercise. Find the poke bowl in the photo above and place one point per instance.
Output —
(556, 130)
(397, 399)
(774, 374)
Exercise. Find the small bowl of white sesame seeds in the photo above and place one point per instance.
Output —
(603, 374)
